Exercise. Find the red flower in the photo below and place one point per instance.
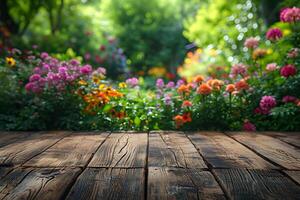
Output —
(288, 70)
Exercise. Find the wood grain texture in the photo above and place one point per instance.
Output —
(176, 183)
(19, 152)
(101, 183)
(257, 184)
(11, 137)
(292, 138)
(4, 171)
(220, 151)
(122, 150)
(295, 175)
(11, 180)
(173, 149)
(42, 184)
(74, 150)
(272, 148)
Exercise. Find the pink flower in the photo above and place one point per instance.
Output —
(86, 69)
(170, 84)
(288, 70)
(160, 83)
(289, 99)
(271, 67)
(34, 77)
(251, 43)
(290, 15)
(293, 53)
(267, 103)
(238, 69)
(274, 34)
(132, 82)
(44, 55)
(248, 126)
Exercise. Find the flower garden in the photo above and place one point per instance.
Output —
(256, 88)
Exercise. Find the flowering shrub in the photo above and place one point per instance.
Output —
(260, 92)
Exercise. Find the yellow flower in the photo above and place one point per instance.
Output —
(10, 61)
(102, 86)
(82, 82)
(96, 79)
(122, 85)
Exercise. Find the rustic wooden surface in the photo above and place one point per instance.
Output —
(156, 165)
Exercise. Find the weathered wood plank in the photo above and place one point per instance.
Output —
(173, 149)
(101, 183)
(295, 175)
(40, 183)
(122, 150)
(19, 152)
(221, 151)
(177, 183)
(10, 181)
(74, 150)
(292, 138)
(4, 171)
(10, 137)
(274, 149)
(257, 184)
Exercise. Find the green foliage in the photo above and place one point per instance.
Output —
(150, 32)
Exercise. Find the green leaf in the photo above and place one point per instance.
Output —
(107, 108)
(137, 121)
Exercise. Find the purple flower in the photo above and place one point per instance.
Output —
(274, 34)
(86, 69)
(75, 62)
(267, 103)
(171, 84)
(180, 82)
(160, 83)
(34, 77)
(168, 100)
(132, 82)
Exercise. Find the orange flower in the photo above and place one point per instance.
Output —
(187, 103)
(259, 53)
(199, 79)
(204, 88)
(241, 85)
(186, 117)
(230, 88)
(183, 89)
(178, 120)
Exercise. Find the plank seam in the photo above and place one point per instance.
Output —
(210, 169)
(72, 183)
(146, 169)
(257, 153)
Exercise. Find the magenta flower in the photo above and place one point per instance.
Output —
(274, 34)
(34, 77)
(251, 43)
(248, 126)
(289, 99)
(86, 69)
(160, 83)
(180, 82)
(267, 103)
(44, 55)
(290, 15)
(288, 70)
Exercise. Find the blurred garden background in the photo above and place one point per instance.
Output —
(123, 64)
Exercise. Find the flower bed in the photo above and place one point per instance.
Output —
(260, 93)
